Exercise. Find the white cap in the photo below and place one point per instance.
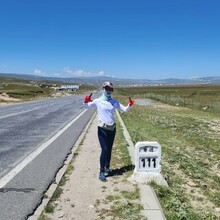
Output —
(107, 84)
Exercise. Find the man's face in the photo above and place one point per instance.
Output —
(108, 89)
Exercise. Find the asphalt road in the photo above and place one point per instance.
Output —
(23, 129)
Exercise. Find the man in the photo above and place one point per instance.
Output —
(106, 106)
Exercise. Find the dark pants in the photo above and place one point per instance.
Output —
(106, 140)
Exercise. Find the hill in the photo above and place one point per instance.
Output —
(96, 81)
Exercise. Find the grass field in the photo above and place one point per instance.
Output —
(202, 97)
(190, 143)
(185, 120)
(24, 90)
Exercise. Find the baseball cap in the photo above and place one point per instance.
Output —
(107, 84)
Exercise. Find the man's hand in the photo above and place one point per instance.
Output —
(131, 102)
(88, 98)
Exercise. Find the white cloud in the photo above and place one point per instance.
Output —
(194, 77)
(82, 73)
(101, 73)
(56, 74)
(67, 70)
(39, 72)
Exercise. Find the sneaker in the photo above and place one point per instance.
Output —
(102, 176)
(109, 171)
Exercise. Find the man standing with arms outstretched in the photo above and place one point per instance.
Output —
(106, 106)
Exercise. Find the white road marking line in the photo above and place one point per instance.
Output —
(8, 177)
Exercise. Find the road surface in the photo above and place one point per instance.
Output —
(35, 139)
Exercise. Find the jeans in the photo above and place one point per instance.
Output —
(106, 140)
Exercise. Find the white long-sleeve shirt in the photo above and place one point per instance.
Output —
(106, 109)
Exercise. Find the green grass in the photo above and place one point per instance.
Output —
(131, 195)
(203, 97)
(190, 151)
(112, 198)
(122, 210)
(49, 208)
(120, 153)
(127, 210)
(25, 91)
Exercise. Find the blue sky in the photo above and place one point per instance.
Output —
(151, 39)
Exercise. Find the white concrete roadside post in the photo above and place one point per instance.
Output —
(147, 157)
(148, 162)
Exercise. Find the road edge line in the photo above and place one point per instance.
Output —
(11, 174)
(49, 193)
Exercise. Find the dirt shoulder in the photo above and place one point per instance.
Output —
(4, 99)
(84, 196)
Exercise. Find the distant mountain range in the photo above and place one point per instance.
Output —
(116, 81)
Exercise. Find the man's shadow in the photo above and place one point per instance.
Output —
(122, 170)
